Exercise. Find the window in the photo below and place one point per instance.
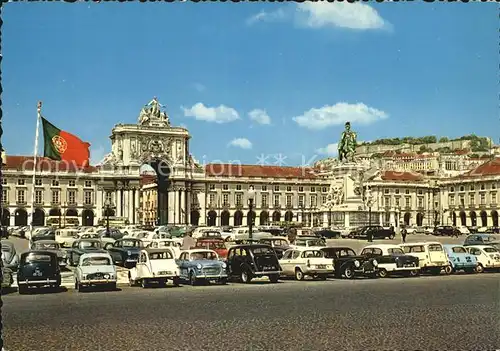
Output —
(313, 189)
(472, 199)
(396, 191)
(5, 196)
(55, 196)
(4, 181)
(21, 182)
(396, 201)
(408, 201)
(108, 197)
(407, 191)
(493, 186)
(493, 197)
(472, 187)
(72, 196)
(451, 200)
(483, 187)
(238, 200)
(263, 200)
(462, 200)
(264, 188)
(289, 200)
(38, 196)
(38, 182)
(225, 187)
(276, 200)
(313, 201)
(323, 199)
(88, 184)
(87, 198)
(71, 183)
(420, 192)
(482, 199)
(301, 200)
(301, 188)
(452, 189)
(225, 199)
(276, 188)
(324, 189)
(387, 201)
(211, 186)
(462, 188)
(420, 202)
(386, 191)
(21, 196)
(288, 188)
(211, 199)
(55, 182)
(238, 186)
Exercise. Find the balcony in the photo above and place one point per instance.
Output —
(264, 206)
(21, 202)
(239, 206)
(277, 206)
(55, 203)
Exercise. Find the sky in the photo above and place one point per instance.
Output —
(255, 83)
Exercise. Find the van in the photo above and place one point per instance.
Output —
(431, 256)
(66, 237)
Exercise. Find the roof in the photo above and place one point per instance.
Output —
(147, 179)
(40, 252)
(236, 170)
(386, 246)
(41, 242)
(25, 163)
(198, 250)
(163, 249)
(488, 168)
(96, 254)
(401, 176)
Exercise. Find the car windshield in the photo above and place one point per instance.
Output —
(261, 251)
(162, 255)
(46, 246)
(280, 242)
(203, 255)
(395, 251)
(87, 244)
(166, 243)
(96, 261)
(312, 254)
(458, 249)
(490, 249)
(211, 244)
(346, 253)
(130, 243)
(37, 258)
(67, 234)
(316, 242)
(435, 247)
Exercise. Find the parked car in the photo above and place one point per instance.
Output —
(328, 233)
(146, 237)
(173, 244)
(275, 231)
(10, 258)
(213, 243)
(278, 243)
(446, 230)
(377, 232)
(253, 261)
(201, 265)
(155, 266)
(95, 269)
(38, 269)
(66, 237)
(411, 230)
(431, 255)
(308, 241)
(302, 262)
(52, 246)
(392, 260)
(463, 229)
(460, 259)
(348, 264)
(483, 239)
(83, 246)
(494, 230)
(113, 233)
(125, 252)
(488, 257)
(45, 234)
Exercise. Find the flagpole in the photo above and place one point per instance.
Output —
(35, 154)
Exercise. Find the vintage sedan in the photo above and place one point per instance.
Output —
(213, 243)
(95, 269)
(303, 262)
(172, 244)
(488, 257)
(38, 269)
(253, 261)
(460, 259)
(83, 246)
(278, 243)
(155, 266)
(348, 265)
(431, 255)
(10, 258)
(200, 265)
(52, 246)
(125, 252)
(392, 260)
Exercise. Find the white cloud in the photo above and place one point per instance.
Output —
(259, 116)
(330, 150)
(199, 87)
(241, 143)
(219, 114)
(324, 14)
(341, 112)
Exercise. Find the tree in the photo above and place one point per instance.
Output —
(443, 140)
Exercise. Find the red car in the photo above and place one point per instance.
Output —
(216, 244)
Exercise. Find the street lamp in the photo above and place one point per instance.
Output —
(329, 215)
(369, 204)
(107, 205)
(251, 197)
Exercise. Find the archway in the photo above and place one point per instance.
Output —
(276, 216)
(195, 217)
(238, 218)
(87, 218)
(224, 218)
(71, 212)
(54, 212)
(454, 218)
(288, 216)
(212, 219)
(264, 218)
(162, 170)
(5, 217)
(407, 218)
(20, 218)
(473, 218)
(484, 218)
(494, 218)
(38, 218)
(463, 218)
(420, 219)
(251, 217)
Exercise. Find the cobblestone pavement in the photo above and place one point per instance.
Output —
(457, 312)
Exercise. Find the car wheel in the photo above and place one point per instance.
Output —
(479, 268)
(414, 273)
(298, 274)
(391, 237)
(274, 278)
(448, 270)
(192, 279)
(382, 273)
(348, 272)
(245, 277)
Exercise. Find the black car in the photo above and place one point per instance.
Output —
(348, 264)
(44, 234)
(328, 233)
(38, 269)
(81, 247)
(483, 239)
(376, 231)
(113, 233)
(125, 252)
(391, 260)
(253, 261)
(446, 230)
(278, 243)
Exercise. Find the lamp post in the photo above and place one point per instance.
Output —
(329, 215)
(251, 197)
(369, 204)
(107, 205)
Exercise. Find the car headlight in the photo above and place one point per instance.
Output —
(224, 265)
(198, 266)
(357, 264)
(106, 276)
(375, 263)
(129, 253)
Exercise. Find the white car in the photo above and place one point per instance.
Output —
(432, 256)
(301, 262)
(172, 244)
(146, 237)
(463, 230)
(66, 237)
(129, 229)
(155, 266)
(488, 257)
(198, 232)
(308, 241)
(411, 230)
(95, 269)
(392, 260)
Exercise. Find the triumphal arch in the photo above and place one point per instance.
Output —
(155, 142)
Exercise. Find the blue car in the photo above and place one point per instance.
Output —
(460, 259)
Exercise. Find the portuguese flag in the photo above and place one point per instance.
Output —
(63, 146)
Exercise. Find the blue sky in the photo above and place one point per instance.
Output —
(270, 78)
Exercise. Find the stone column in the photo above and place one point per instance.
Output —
(99, 203)
(183, 205)
(391, 218)
(118, 203)
(188, 203)
(203, 208)
(346, 219)
(125, 203)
